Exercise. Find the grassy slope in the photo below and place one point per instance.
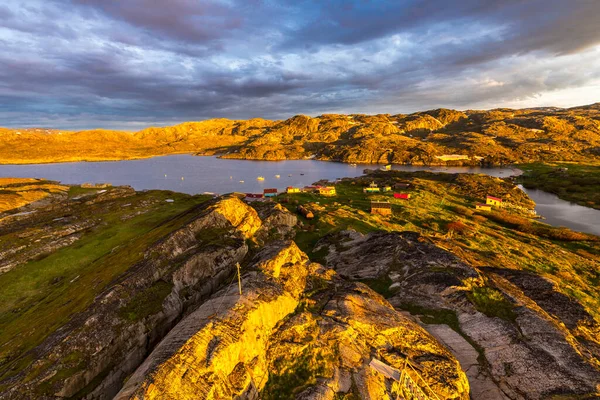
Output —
(39, 297)
(572, 260)
(579, 183)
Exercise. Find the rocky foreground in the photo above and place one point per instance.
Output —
(169, 322)
(206, 342)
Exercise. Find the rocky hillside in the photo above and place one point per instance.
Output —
(144, 302)
(431, 137)
(172, 323)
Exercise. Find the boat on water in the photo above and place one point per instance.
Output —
(278, 176)
(353, 165)
(241, 181)
(301, 174)
(260, 178)
(290, 175)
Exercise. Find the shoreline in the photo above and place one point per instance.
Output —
(220, 156)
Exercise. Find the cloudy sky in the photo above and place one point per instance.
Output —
(76, 64)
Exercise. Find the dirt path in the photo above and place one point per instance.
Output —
(482, 387)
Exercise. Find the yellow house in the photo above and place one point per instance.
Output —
(387, 188)
(483, 207)
(327, 191)
(292, 189)
(387, 167)
(493, 201)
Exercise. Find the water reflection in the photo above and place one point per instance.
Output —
(559, 212)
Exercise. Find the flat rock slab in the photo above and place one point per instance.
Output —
(482, 387)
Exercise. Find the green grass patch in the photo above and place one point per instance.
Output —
(492, 303)
(380, 285)
(75, 191)
(146, 303)
(301, 373)
(577, 183)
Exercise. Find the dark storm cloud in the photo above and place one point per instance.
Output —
(89, 63)
(185, 20)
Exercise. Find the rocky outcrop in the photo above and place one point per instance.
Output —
(218, 351)
(536, 341)
(337, 335)
(92, 354)
(277, 222)
(297, 331)
(231, 211)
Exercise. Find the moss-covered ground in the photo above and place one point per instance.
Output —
(578, 183)
(42, 295)
(441, 208)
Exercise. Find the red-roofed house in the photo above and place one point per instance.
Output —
(270, 192)
(493, 201)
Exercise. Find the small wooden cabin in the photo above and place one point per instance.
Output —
(327, 191)
(381, 207)
(493, 201)
(373, 188)
(401, 185)
(270, 192)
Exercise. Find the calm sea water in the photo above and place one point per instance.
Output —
(192, 174)
(558, 212)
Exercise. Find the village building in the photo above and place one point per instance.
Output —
(292, 189)
(327, 191)
(401, 185)
(250, 197)
(373, 188)
(381, 207)
(387, 188)
(387, 167)
(493, 201)
(270, 192)
(403, 196)
(483, 207)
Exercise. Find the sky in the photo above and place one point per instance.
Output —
(82, 64)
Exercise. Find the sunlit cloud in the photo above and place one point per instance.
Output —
(75, 64)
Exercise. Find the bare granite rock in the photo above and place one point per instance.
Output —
(545, 345)
(245, 346)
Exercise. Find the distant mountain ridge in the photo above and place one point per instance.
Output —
(490, 137)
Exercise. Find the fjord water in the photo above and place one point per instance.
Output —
(193, 174)
(209, 174)
(557, 212)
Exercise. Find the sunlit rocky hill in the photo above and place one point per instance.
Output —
(112, 293)
(431, 137)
